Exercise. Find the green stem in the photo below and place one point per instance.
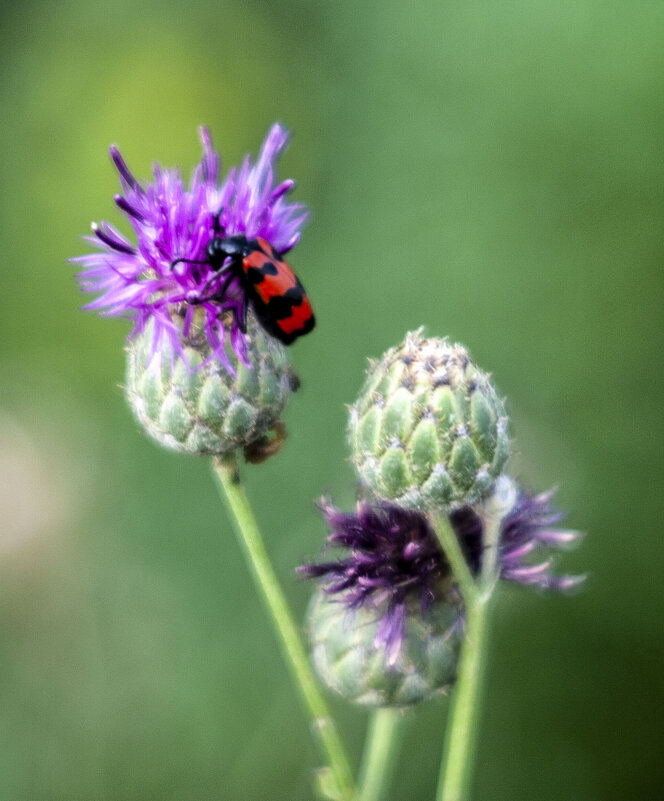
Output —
(293, 649)
(490, 572)
(460, 742)
(379, 758)
(456, 768)
(452, 550)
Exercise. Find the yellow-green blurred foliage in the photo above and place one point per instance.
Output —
(491, 170)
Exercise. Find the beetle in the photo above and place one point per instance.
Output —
(279, 300)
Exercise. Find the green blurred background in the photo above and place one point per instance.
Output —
(493, 171)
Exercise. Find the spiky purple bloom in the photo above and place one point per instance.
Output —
(526, 534)
(174, 222)
(393, 557)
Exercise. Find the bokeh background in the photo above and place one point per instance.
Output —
(490, 170)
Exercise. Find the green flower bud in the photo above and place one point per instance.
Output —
(428, 430)
(347, 659)
(197, 406)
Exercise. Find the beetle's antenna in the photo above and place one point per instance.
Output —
(188, 261)
(218, 227)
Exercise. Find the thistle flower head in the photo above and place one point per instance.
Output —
(393, 565)
(172, 222)
(386, 623)
(529, 538)
(428, 430)
(394, 570)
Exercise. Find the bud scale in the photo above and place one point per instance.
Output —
(190, 402)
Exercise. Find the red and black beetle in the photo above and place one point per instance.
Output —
(278, 298)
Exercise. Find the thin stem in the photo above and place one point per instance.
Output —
(452, 549)
(378, 761)
(489, 575)
(460, 742)
(292, 647)
(458, 754)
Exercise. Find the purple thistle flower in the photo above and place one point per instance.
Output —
(174, 222)
(393, 557)
(527, 530)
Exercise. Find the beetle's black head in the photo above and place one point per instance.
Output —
(220, 248)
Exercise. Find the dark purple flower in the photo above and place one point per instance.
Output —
(393, 557)
(174, 222)
(526, 534)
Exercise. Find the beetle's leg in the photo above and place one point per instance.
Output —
(242, 316)
(215, 277)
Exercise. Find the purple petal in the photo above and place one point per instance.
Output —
(124, 205)
(210, 160)
(553, 538)
(112, 238)
(122, 168)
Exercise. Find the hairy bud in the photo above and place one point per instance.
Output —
(428, 430)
